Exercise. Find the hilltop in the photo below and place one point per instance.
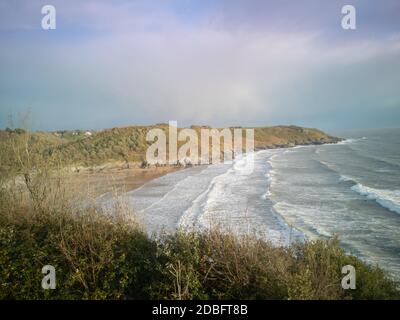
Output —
(128, 144)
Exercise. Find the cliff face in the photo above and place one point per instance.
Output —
(129, 143)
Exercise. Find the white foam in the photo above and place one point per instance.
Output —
(390, 199)
(345, 178)
(349, 141)
(230, 203)
(189, 218)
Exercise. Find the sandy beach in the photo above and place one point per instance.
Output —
(117, 178)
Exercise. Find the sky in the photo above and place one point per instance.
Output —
(216, 62)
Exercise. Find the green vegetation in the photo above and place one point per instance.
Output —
(99, 257)
(129, 144)
(284, 136)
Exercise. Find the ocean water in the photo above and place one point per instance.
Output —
(350, 189)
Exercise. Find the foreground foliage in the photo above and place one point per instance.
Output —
(99, 257)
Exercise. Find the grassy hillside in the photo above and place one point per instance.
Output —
(129, 143)
(285, 136)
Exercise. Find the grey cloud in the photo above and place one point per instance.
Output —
(235, 66)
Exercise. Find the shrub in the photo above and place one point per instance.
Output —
(217, 265)
(100, 257)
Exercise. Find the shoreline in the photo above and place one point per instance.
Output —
(117, 177)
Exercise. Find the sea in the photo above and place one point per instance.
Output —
(350, 189)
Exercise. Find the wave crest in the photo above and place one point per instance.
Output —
(389, 199)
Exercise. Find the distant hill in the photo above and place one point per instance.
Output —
(129, 144)
(285, 136)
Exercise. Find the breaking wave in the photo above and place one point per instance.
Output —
(389, 199)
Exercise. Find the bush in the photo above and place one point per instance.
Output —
(221, 266)
(95, 257)
(99, 257)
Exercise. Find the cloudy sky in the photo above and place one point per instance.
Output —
(217, 62)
